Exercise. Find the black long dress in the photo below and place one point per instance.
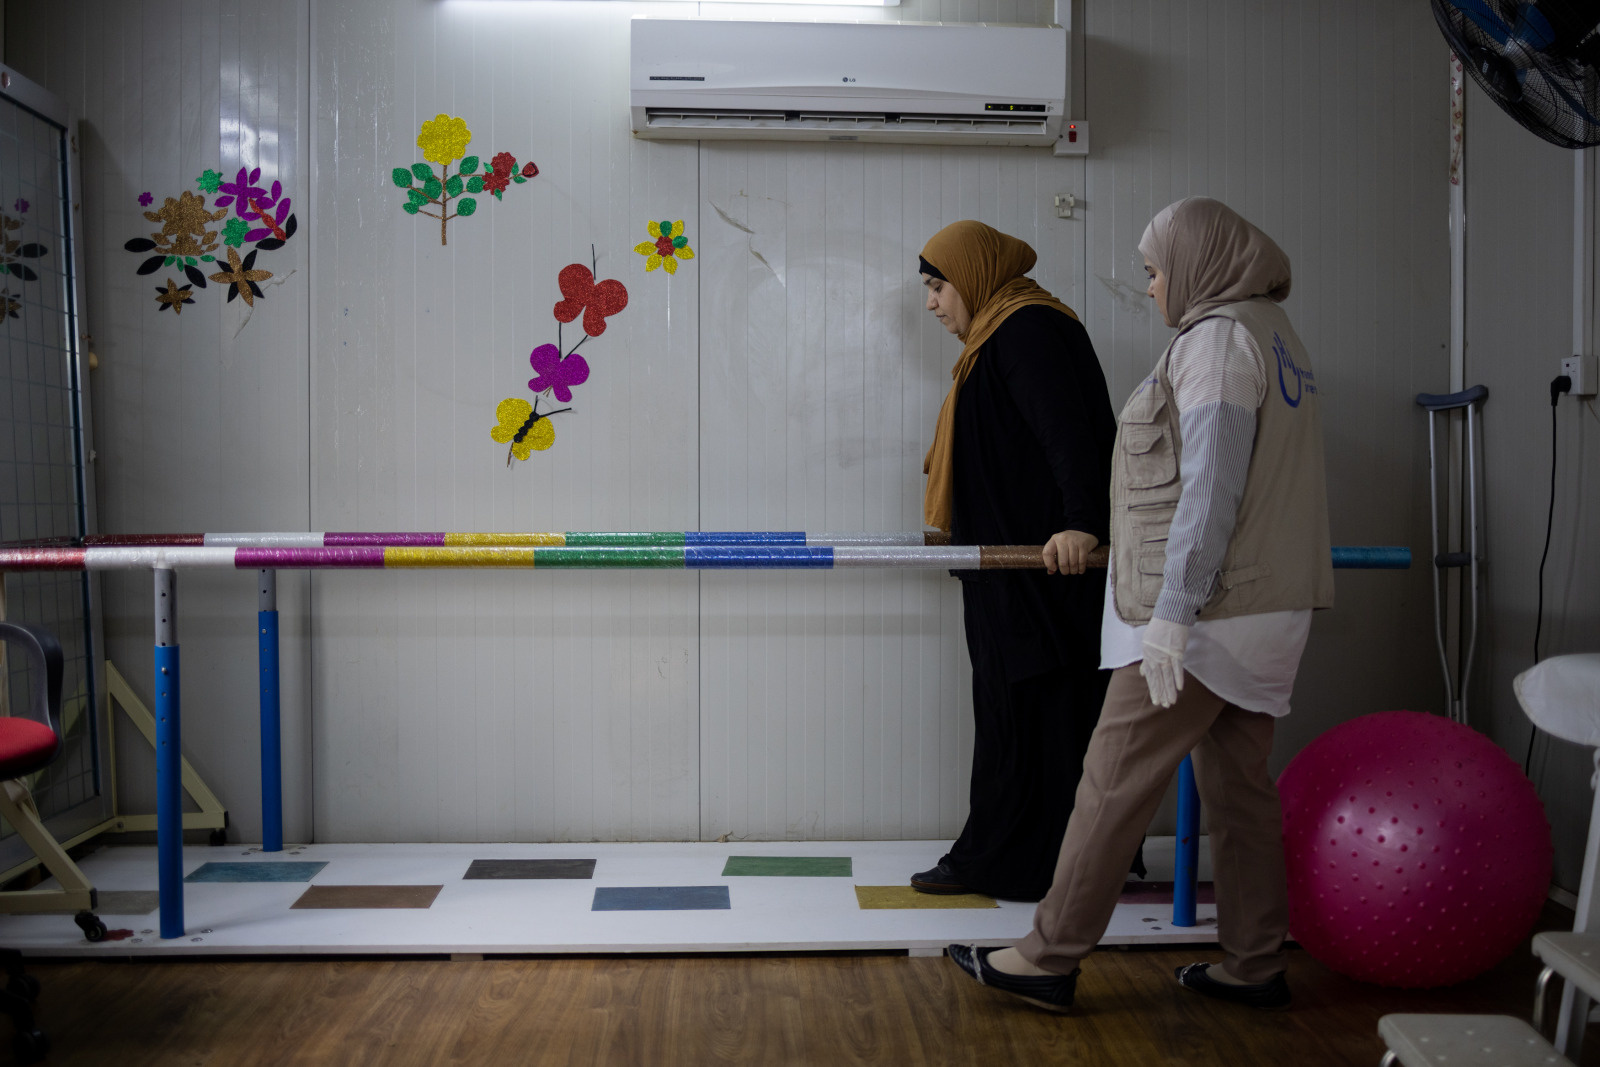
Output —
(1031, 457)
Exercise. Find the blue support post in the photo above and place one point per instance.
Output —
(271, 735)
(1186, 876)
(169, 757)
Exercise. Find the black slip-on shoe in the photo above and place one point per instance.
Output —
(1052, 992)
(1271, 995)
(938, 879)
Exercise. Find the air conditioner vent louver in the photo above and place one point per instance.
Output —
(713, 118)
(896, 82)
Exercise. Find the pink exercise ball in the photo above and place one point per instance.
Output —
(1418, 853)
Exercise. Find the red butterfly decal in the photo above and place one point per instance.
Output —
(595, 301)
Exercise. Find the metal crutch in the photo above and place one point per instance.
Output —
(1469, 400)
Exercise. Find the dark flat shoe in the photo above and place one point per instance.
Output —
(1272, 995)
(938, 879)
(1052, 992)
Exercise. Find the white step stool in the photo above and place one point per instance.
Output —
(1462, 1040)
(1575, 957)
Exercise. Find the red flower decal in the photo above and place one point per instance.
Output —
(504, 163)
(495, 183)
(530, 169)
(596, 301)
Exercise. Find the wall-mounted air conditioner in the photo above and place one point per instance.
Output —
(911, 82)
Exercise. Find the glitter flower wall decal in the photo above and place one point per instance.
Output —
(666, 247)
(241, 278)
(145, 199)
(523, 425)
(443, 139)
(174, 296)
(257, 214)
(13, 251)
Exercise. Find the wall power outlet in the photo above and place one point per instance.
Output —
(1581, 370)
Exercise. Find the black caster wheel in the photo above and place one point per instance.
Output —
(25, 986)
(30, 1046)
(219, 836)
(93, 928)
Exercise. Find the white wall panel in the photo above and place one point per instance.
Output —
(484, 706)
(200, 419)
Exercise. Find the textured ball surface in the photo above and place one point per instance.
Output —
(1418, 853)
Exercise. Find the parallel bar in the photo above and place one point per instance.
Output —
(603, 551)
(169, 757)
(1186, 875)
(271, 732)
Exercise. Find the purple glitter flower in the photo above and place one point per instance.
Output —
(241, 191)
(21, 205)
(145, 199)
(272, 223)
(256, 207)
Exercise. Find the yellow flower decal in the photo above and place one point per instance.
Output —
(667, 246)
(443, 139)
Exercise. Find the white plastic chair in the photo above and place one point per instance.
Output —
(1561, 696)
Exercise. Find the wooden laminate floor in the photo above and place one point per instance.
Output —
(820, 1009)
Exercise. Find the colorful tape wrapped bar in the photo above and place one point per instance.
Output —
(655, 551)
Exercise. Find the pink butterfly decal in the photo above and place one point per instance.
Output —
(554, 372)
(595, 301)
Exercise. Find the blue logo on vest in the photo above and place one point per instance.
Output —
(1304, 380)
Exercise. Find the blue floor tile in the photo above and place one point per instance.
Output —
(662, 898)
(275, 871)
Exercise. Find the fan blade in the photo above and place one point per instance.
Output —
(1481, 15)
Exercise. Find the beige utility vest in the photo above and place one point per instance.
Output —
(1279, 557)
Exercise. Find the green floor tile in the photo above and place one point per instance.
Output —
(788, 867)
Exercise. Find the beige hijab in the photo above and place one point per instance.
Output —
(1211, 257)
(987, 268)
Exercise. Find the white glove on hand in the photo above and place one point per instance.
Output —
(1162, 666)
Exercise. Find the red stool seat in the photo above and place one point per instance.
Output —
(25, 745)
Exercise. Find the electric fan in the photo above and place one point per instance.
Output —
(1538, 60)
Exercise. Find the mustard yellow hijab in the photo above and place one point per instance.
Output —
(987, 268)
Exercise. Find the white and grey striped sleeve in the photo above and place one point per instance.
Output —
(1219, 380)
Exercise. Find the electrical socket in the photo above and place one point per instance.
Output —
(1581, 369)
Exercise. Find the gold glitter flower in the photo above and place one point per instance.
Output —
(241, 278)
(174, 297)
(443, 139)
(183, 226)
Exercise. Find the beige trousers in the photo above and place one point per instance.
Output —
(1132, 756)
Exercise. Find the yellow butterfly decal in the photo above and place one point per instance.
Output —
(524, 426)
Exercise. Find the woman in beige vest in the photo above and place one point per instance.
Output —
(1220, 553)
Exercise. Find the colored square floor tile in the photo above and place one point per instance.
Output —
(277, 871)
(368, 896)
(788, 867)
(530, 869)
(890, 897)
(662, 898)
